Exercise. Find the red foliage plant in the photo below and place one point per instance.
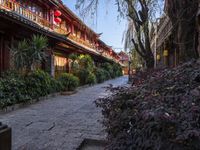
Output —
(162, 113)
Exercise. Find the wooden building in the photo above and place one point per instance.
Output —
(124, 61)
(165, 50)
(66, 33)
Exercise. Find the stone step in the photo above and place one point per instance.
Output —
(92, 144)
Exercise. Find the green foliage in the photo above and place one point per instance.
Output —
(82, 74)
(102, 75)
(73, 57)
(86, 61)
(15, 88)
(91, 79)
(113, 69)
(29, 53)
(41, 83)
(69, 81)
(38, 45)
(108, 67)
(99, 72)
(20, 88)
(86, 71)
(74, 64)
(117, 70)
(20, 54)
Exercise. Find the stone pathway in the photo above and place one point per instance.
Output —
(59, 123)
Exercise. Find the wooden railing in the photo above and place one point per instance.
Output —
(13, 6)
(21, 10)
(81, 41)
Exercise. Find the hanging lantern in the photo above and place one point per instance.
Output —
(158, 57)
(57, 20)
(57, 13)
(165, 53)
(111, 52)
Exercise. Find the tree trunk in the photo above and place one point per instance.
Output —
(150, 61)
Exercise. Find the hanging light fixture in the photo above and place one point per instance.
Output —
(57, 20)
(57, 13)
(111, 52)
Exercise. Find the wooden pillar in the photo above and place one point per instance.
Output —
(6, 55)
(52, 18)
(72, 27)
(67, 65)
(52, 65)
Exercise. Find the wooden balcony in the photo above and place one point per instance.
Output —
(24, 12)
(12, 6)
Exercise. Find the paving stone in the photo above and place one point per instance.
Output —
(60, 123)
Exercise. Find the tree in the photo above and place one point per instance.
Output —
(140, 13)
(74, 64)
(137, 62)
(29, 53)
(182, 14)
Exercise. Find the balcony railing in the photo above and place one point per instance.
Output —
(13, 6)
(21, 10)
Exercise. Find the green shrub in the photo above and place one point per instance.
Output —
(100, 76)
(86, 61)
(108, 67)
(107, 74)
(69, 81)
(13, 90)
(117, 70)
(91, 79)
(82, 74)
(39, 83)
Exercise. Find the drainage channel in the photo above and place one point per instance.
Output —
(92, 144)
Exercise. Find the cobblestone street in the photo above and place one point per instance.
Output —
(59, 123)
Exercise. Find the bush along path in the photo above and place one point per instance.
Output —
(16, 87)
(27, 83)
(160, 112)
(59, 123)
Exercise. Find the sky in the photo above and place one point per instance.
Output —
(107, 23)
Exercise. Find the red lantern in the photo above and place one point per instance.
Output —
(111, 52)
(57, 13)
(57, 20)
